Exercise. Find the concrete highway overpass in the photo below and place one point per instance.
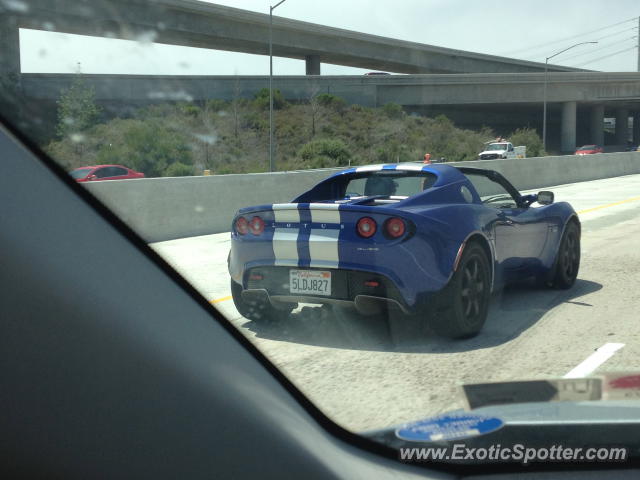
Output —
(193, 23)
(578, 102)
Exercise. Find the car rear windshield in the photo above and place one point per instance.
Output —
(389, 183)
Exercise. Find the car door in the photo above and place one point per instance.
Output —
(519, 233)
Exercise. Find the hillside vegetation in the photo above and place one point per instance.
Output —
(233, 137)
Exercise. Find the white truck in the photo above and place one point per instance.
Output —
(495, 150)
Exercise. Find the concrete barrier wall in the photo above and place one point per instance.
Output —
(167, 208)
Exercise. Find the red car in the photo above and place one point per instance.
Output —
(104, 172)
(589, 150)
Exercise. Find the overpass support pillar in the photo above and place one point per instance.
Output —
(312, 64)
(636, 128)
(10, 55)
(622, 126)
(568, 129)
(597, 125)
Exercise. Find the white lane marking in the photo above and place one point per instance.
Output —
(594, 360)
(323, 245)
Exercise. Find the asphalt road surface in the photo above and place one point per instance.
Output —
(367, 373)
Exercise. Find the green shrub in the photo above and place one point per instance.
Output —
(331, 101)
(393, 110)
(217, 105)
(530, 138)
(190, 110)
(261, 99)
(325, 153)
(178, 169)
(149, 147)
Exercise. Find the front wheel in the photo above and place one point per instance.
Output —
(464, 302)
(257, 310)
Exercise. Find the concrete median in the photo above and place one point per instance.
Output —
(167, 208)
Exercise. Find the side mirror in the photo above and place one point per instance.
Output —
(91, 177)
(545, 197)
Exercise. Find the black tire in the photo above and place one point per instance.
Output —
(463, 305)
(567, 261)
(258, 311)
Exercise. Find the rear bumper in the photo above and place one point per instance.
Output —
(348, 290)
(363, 304)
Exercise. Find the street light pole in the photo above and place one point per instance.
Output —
(544, 101)
(272, 165)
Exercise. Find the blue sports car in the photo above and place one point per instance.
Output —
(432, 241)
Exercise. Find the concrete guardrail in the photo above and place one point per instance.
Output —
(168, 208)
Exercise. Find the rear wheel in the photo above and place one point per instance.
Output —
(257, 310)
(568, 260)
(464, 303)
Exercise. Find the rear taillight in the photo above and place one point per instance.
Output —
(256, 225)
(242, 226)
(366, 227)
(394, 227)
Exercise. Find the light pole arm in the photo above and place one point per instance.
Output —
(277, 4)
(568, 48)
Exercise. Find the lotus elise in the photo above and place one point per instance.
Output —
(430, 241)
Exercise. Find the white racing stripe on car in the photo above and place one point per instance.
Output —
(323, 246)
(325, 216)
(324, 206)
(285, 246)
(369, 168)
(413, 168)
(323, 242)
(285, 206)
(286, 212)
(285, 240)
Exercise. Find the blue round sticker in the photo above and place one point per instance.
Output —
(448, 427)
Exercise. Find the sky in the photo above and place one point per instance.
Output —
(526, 29)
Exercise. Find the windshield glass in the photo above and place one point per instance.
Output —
(497, 146)
(80, 172)
(378, 309)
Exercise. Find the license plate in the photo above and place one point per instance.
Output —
(314, 282)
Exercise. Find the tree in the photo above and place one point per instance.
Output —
(149, 147)
(530, 138)
(77, 110)
(235, 107)
(314, 107)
